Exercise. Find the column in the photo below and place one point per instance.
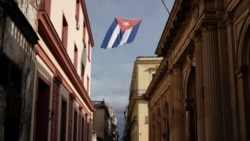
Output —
(189, 119)
(226, 91)
(80, 124)
(70, 116)
(170, 105)
(198, 81)
(55, 107)
(211, 81)
(178, 115)
(231, 68)
(243, 100)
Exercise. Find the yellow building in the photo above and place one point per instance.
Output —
(137, 110)
(201, 89)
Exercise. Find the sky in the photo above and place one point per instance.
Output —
(112, 68)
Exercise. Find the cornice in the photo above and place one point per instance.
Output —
(154, 60)
(86, 18)
(159, 76)
(178, 14)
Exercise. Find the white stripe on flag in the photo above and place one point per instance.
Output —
(113, 36)
(125, 36)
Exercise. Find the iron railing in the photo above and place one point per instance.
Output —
(137, 92)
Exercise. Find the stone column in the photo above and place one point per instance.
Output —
(199, 91)
(231, 68)
(211, 81)
(178, 118)
(226, 90)
(190, 126)
(243, 100)
(55, 107)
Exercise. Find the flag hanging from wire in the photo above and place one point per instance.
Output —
(121, 31)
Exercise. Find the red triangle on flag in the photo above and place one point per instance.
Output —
(127, 23)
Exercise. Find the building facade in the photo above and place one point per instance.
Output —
(17, 69)
(136, 116)
(45, 58)
(105, 124)
(201, 90)
(62, 106)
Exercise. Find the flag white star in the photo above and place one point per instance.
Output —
(126, 24)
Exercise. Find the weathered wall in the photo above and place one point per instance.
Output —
(20, 54)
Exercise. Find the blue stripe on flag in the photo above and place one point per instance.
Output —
(133, 33)
(109, 34)
(118, 39)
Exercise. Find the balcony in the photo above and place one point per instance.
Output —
(134, 121)
(137, 93)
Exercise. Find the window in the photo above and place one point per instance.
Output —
(75, 56)
(77, 10)
(64, 32)
(79, 125)
(146, 119)
(83, 129)
(88, 129)
(82, 74)
(75, 126)
(84, 29)
(63, 120)
(88, 84)
(89, 50)
(153, 75)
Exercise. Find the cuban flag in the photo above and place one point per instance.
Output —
(121, 31)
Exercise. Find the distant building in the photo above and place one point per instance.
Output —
(136, 114)
(201, 89)
(105, 123)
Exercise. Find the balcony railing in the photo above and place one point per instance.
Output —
(137, 92)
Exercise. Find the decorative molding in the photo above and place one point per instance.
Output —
(189, 104)
(241, 72)
(72, 96)
(177, 67)
(209, 25)
(196, 10)
(197, 36)
(57, 78)
(232, 4)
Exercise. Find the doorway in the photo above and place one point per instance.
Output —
(42, 111)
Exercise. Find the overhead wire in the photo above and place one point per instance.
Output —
(165, 6)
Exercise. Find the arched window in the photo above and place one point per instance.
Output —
(191, 129)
